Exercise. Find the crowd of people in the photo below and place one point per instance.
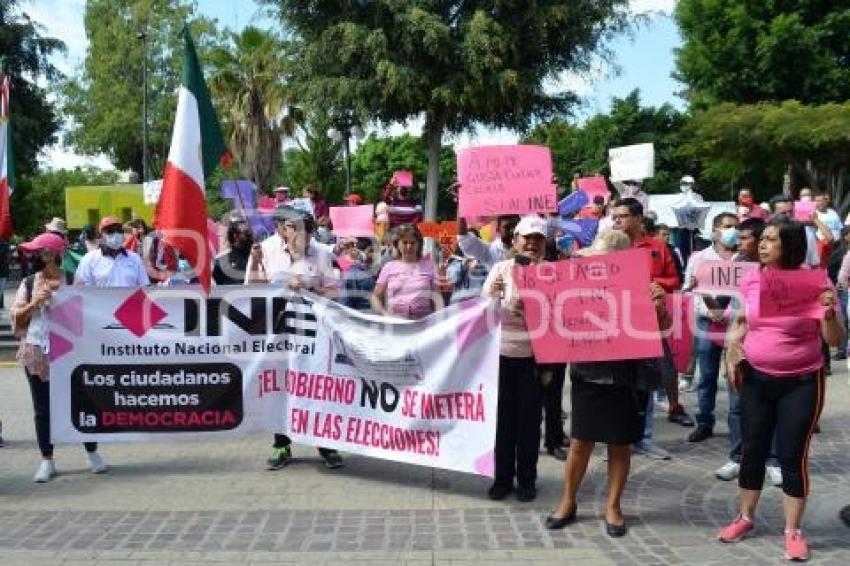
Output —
(776, 367)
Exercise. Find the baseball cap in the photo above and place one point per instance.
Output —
(354, 198)
(531, 224)
(107, 222)
(46, 241)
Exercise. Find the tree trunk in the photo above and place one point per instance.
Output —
(433, 131)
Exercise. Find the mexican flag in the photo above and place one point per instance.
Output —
(197, 146)
(7, 170)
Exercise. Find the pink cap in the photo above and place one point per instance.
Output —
(45, 241)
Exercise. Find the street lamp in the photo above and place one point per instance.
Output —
(344, 132)
(143, 36)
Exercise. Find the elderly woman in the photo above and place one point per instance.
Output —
(607, 406)
(29, 321)
(407, 286)
(776, 365)
(520, 401)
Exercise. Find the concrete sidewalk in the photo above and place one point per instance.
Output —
(202, 502)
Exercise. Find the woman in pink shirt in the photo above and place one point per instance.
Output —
(407, 286)
(777, 368)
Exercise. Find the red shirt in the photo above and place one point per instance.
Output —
(662, 268)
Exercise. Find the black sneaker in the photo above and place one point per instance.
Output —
(280, 458)
(526, 493)
(558, 453)
(332, 459)
(700, 433)
(680, 417)
(499, 491)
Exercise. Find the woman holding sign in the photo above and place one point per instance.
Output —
(520, 402)
(777, 366)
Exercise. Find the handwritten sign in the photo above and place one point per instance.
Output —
(792, 293)
(508, 179)
(403, 178)
(632, 162)
(722, 278)
(803, 210)
(594, 186)
(590, 309)
(353, 221)
(680, 336)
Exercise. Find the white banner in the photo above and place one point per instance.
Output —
(632, 162)
(167, 363)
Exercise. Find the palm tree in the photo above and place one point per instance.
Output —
(249, 83)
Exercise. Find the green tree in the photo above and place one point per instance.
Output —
(583, 149)
(104, 100)
(249, 82)
(744, 51)
(457, 63)
(315, 159)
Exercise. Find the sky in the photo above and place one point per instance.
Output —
(642, 59)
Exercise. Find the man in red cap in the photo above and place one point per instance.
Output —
(353, 199)
(110, 265)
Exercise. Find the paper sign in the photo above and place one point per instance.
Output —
(403, 178)
(680, 336)
(353, 221)
(507, 179)
(803, 210)
(722, 277)
(303, 204)
(266, 203)
(632, 162)
(594, 186)
(590, 309)
(792, 293)
(150, 191)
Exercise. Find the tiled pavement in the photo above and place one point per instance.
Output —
(187, 503)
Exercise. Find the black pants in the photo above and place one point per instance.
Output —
(282, 441)
(518, 421)
(40, 391)
(553, 394)
(788, 406)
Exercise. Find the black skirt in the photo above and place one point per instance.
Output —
(613, 414)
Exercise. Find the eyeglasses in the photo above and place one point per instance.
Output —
(616, 217)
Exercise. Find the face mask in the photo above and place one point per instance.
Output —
(746, 201)
(806, 199)
(113, 241)
(685, 187)
(729, 237)
(37, 263)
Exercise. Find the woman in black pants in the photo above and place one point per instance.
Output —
(777, 367)
(29, 320)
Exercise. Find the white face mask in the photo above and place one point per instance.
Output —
(113, 241)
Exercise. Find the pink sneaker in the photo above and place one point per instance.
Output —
(736, 530)
(796, 547)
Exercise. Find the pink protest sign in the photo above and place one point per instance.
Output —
(680, 336)
(505, 179)
(803, 210)
(403, 178)
(353, 221)
(722, 277)
(792, 293)
(594, 186)
(590, 309)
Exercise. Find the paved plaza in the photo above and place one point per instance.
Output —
(202, 502)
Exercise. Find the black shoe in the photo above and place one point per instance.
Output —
(615, 531)
(700, 433)
(557, 453)
(499, 491)
(680, 417)
(332, 459)
(839, 356)
(526, 493)
(557, 523)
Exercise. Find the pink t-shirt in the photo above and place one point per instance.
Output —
(409, 287)
(781, 346)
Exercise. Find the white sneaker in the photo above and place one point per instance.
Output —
(96, 463)
(45, 471)
(728, 471)
(774, 475)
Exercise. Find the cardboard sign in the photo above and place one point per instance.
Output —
(353, 221)
(594, 186)
(590, 309)
(632, 162)
(508, 179)
(803, 210)
(680, 336)
(722, 277)
(792, 293)
(403, 178)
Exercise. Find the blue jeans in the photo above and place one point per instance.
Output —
(734, 422)
(708, 361)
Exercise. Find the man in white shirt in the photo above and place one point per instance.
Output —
(110, 265)
(781, 204)
(292, 257)
(494, 252)
(827, 215)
